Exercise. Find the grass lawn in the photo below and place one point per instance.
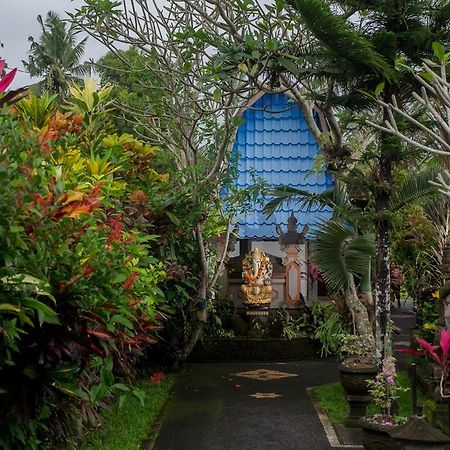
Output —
(332, 400)
(125, 428)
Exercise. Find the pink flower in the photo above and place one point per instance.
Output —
(5, 80)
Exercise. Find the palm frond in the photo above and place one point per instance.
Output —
(415, 187)
(286, 194)
(335, 196)
(338, 251)
(358, 253)
(333, 31)
(329, 241)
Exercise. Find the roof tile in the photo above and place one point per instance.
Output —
(276, 142)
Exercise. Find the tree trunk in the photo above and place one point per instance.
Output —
(198, 305)
(382, 263)
(359, 313)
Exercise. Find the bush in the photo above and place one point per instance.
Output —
(78, 289)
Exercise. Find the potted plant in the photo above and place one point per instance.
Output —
(356, 370)
(384, 393)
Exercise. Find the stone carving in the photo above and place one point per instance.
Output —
(291, 236)
(256, 272)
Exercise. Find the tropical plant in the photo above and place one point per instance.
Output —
(37, 111)
(196, 127)
(341, 255)
(56, 55)
(440, 355)
(343, 252)
(12, 96)
(344, 49)
(78, 289)
(329, 327)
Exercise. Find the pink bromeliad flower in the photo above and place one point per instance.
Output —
(5, 79)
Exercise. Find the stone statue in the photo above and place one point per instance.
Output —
(256, 272)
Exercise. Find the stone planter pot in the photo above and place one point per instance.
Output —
(417, 434)
(376, 436)
(354, 379)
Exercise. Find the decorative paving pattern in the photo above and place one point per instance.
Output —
(265, 395)
(264, 374)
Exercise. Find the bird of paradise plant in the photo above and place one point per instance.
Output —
(439, 354)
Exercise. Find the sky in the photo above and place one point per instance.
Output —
(19, 22)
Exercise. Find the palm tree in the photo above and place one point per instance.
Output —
(344, 247)
(361, 43)
(56, 56)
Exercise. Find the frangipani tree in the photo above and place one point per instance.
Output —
(193, 115)
(428, 120)
(428, 114)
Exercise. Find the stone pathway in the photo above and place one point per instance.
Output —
(244, 406)
(257, 406)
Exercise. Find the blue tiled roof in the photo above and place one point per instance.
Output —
(276, 142)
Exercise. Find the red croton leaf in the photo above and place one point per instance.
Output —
(128, 283)
(101, 335)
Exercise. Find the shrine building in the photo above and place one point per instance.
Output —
(276, 144)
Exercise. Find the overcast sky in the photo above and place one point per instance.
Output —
(19, 22)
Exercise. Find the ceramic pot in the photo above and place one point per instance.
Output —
(354, 381)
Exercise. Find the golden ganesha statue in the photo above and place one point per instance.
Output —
(256, 272)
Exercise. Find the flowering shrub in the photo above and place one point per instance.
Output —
(384, 389)
(78, 289)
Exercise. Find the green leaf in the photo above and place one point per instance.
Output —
(271, 45)
(338, 251)
(279, 4)
(243, 67)
(140, 395)
(427, 76)
(16, 229)
(290, 65)
(416, 186)
(121, 387)
(10, 308)
(117, 318)
(173, 218)
(379, 89)
(217, 95)
(438, 50)
(45, 313)
(120, 278)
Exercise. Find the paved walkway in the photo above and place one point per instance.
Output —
(257, 406)
(217, 406)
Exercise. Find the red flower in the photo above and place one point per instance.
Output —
(157, 377)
